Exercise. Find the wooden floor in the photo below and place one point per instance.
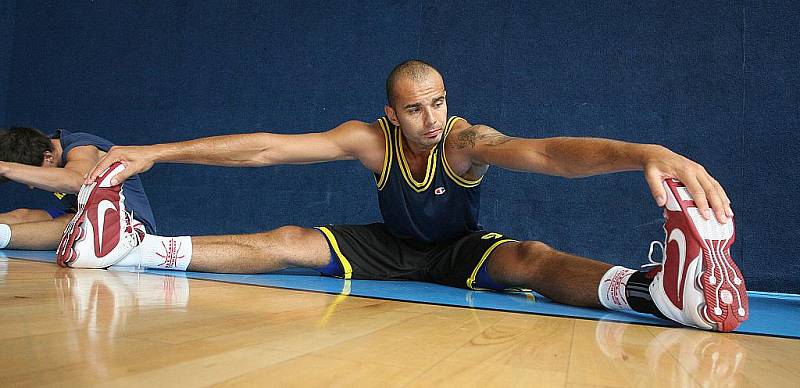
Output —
(63, 327)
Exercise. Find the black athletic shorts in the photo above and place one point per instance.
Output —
(372, 252)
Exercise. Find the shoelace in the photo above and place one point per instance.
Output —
(652, 262)
(133, 238)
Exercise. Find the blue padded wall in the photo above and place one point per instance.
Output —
(770, 139)
(6, 44)
(715, 81)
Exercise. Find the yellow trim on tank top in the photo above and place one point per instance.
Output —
(406, 171)
(348, 269)
(387, 157)
(471, 280)
(461, 181)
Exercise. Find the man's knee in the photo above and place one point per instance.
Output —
(535, 255)
(533, 250)
(291, 234)
(521, 263)
(18, 216)
(16, 213)
(304, 247)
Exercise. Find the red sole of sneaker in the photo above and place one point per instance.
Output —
(721, 280)
(65, 255)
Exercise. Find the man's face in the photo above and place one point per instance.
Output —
(420, 109)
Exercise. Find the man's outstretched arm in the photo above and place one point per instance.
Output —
(578, 157)
(68, 179)
(344, 142)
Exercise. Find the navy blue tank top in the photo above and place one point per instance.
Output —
(443, 207)
(135, 196)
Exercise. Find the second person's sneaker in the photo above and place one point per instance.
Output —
(101, 233)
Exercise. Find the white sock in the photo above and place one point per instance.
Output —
(5, 235)
(160, 253)
(612, 288)
(132, 259)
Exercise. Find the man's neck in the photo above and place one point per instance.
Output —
(414, 150)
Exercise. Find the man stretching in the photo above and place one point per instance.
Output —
(59, 164)
(428, 169)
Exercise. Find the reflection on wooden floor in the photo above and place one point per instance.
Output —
(80, 327)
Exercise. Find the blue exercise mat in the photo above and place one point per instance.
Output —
(771, 314)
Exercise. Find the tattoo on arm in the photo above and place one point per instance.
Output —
(494, 139)
(466, 138)
(470, 137)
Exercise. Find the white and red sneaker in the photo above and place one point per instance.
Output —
(101, 233)
(698, 284)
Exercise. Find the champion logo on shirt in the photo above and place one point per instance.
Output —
(439, 191)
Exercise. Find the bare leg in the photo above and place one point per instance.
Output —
(288, 246)
(20, 216)
(559, 276)
(41, 235)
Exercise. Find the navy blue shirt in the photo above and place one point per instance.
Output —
(135, 196)
(443, 207)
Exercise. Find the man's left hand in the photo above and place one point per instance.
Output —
(708, 194)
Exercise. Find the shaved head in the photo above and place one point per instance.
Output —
(414, 69)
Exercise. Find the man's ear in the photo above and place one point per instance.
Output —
(49, 159)
(391, 114)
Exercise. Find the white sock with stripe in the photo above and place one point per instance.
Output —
(158, 252)
(611, 290)
(5, 235)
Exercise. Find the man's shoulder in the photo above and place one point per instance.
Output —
(81, 142)
(458, 123)
(356, 135)
(459, 128)
(358, 125)
(356, 130)
(362, 141)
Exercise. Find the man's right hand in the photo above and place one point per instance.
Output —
(136, 159)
